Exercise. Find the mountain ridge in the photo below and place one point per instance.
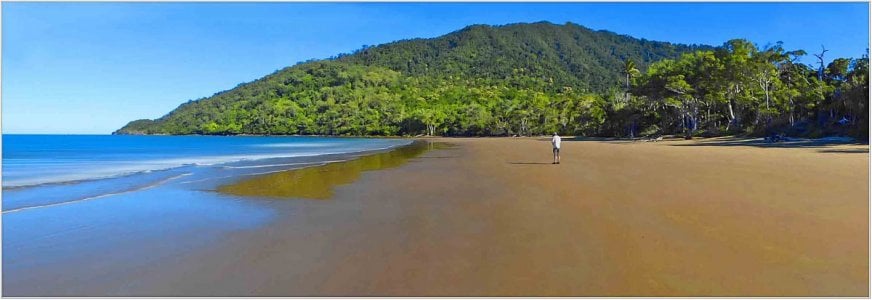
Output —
(529, 58)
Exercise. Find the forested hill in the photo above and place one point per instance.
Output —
(530, 79)
(397, 80)
(568, 55)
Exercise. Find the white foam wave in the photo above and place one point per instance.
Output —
(295, 145)
(127, 168)
(142, 188)
(265, 166)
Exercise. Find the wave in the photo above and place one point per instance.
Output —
(295, 145)
(304, 165)
(279, 165)
(136, 189)
(265, 166)
(60, 181)
(130, 168)
(276, 171)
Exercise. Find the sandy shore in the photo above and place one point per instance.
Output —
(493, 217)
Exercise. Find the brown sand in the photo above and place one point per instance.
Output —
(318, 183)
(494, 217)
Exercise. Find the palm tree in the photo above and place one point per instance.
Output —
(630, 71)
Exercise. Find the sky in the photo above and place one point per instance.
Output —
(89, 68)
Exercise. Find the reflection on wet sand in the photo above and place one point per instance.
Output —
(318, 182)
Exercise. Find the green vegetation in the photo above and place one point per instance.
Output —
(530, 79)
(739, 88)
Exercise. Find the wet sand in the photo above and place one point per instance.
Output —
(493, 217)
(318, 183)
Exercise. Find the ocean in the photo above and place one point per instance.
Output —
(40, 159)
(78, 202)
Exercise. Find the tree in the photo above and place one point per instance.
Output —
(537, 78)
(432, 119)
(630, 71)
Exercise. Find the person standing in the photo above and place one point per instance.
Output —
(555, 143)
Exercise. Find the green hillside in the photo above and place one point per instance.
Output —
(529, 79)
(519, 60)
(568, 55)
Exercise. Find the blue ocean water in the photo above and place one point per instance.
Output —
(71, 203)
(40, 159)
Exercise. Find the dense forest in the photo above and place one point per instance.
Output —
(531, 79)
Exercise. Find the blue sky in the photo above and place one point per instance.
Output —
(92, 67)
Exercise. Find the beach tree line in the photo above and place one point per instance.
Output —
(740, 88)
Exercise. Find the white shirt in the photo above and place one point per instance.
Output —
(555, 141)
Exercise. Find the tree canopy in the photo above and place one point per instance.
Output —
(529, 79)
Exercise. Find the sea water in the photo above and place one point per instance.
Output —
(90, 205)
(40, 159)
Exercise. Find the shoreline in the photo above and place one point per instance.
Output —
(317, 182)
(227, 159)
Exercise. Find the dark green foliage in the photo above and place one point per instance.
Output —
(529, 79)
(739, 88)
(141, 126)
(568, 55)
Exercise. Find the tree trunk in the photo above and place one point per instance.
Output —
(732, 114)
(523, 127)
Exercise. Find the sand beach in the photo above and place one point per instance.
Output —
(494, 217)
